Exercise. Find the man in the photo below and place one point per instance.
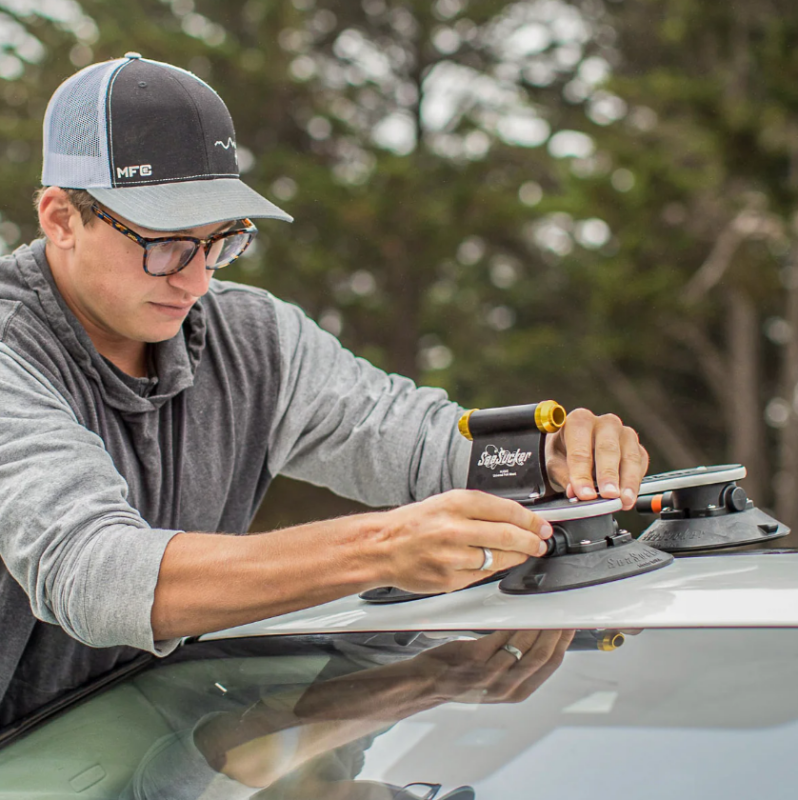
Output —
(144, 408)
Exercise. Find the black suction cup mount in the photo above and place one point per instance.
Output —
(384, 595)
(507, 459)
(587, 548)
(703, 509)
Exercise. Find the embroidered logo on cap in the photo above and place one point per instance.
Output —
(227, 144)
(130, 172)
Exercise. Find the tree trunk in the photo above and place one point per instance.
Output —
(746, 436)
(785, 481)
(652, 422)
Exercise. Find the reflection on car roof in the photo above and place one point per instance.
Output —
(689, 713)
(730, 590)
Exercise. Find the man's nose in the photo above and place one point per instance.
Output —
(194, 278)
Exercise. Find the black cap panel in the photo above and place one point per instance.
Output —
(165, 125)
(219, 136)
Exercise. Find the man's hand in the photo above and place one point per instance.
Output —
(482, 671)
(590, 451)
(436, 545)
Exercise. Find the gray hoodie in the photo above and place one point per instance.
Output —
(98, 470)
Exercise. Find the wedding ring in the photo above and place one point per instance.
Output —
(513, 651)
(487, 562)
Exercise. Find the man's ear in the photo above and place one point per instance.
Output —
(58, 218)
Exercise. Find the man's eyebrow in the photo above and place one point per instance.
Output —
(222, 227)
(225, 226)
(190, 231)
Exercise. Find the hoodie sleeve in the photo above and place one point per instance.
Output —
(86, 559)
(368, 435)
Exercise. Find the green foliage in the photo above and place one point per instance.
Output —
(446, 229)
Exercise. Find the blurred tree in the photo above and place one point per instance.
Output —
(513, 200)
(694, 172)
(398, 134)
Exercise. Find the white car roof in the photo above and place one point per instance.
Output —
(732, 590)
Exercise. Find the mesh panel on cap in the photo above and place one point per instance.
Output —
(75, 141)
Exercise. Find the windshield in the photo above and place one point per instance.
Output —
(509, 714)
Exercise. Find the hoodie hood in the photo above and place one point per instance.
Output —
(175, 361)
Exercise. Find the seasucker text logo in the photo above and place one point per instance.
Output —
(493, 457)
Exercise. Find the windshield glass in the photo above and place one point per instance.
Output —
(513, 714)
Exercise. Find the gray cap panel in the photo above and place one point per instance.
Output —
(75, 135)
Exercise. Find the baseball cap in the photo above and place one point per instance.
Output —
(152, 143)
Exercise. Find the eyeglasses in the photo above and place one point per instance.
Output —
(170, 254)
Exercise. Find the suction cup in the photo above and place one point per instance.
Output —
(693, 534)
(704, 509)
(390, 594)
(507, 460)
(689, 478)
(587, 549)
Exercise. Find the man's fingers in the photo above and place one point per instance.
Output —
(578, 436)
(477, 651)
(607, 436)
(542, 648)
(541, 652)
(634, 465)
(500, 536)
(601, 452)
(621, 462)
(522, 641)
(537, 647)
(484, 507)
(534, 679)
(495, 641)
(492, 521)
(502, 560)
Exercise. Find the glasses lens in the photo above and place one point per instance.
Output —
(227, 249)
(167, 257)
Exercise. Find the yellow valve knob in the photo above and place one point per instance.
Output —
(462, 425)
(611, 640)
(549, 416)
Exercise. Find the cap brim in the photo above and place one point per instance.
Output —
(188, 204)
